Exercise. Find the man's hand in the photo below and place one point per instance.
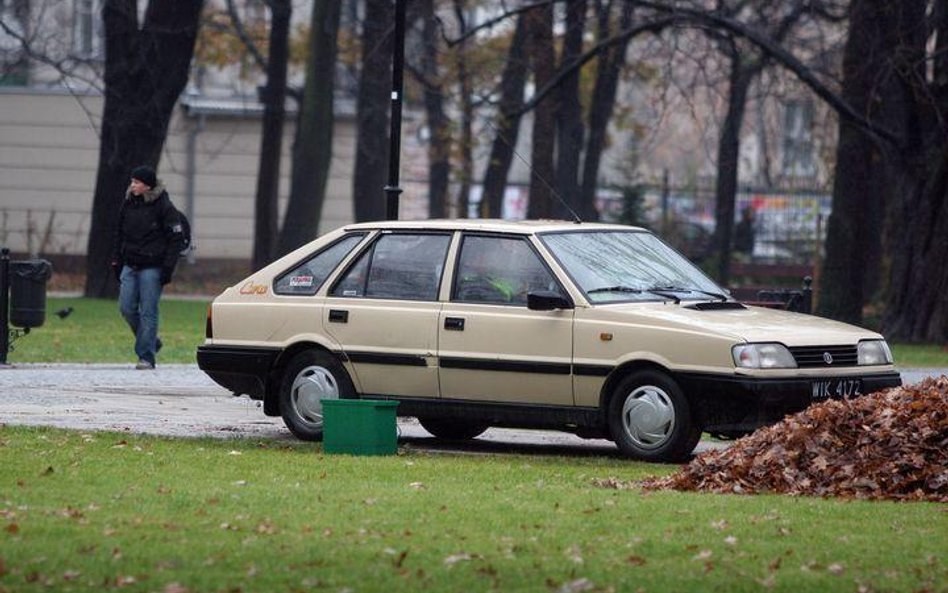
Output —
(166, 276)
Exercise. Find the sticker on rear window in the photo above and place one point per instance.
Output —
(301, 281)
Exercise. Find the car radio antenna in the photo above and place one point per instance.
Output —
(556, 194)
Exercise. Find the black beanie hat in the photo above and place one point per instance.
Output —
(145, 174)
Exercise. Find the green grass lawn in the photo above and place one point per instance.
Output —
(95, 332)
(102, 511)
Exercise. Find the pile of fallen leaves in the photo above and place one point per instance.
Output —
(892, 444)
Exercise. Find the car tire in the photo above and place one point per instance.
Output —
(310, 377)
(452, 429)
(650, 418)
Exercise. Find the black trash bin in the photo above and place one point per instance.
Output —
(28, 292)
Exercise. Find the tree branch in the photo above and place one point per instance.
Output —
(780, 55)
(579, 62)
(244, 36)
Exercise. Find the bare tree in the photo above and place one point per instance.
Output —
(466, 101)
(271, 141)
(569, 115)
(540, 27)
(312, 147)
(146, 68)
(512, 83)
(369, 176)
(439, 135)
(602, 103)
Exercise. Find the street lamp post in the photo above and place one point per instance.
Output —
(392, 190)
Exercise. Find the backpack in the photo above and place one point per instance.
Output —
(185, 232)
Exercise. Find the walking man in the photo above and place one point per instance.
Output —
(147, 243)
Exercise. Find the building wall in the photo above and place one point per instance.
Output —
(49, 153)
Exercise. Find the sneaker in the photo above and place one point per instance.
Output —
(144, 365)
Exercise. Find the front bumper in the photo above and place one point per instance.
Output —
(734, 405)
(240, 370)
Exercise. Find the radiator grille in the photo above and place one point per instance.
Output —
(816, 356)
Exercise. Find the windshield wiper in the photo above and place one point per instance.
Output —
(614, 289)
(716, 295)
(656, 291)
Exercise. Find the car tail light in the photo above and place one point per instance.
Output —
(209, 325)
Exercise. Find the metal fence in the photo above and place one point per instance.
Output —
(789, 227)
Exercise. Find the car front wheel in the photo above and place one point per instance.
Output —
(311, 377)
(650, 419)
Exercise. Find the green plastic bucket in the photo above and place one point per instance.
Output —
(359, 426)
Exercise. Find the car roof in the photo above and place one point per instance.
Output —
(491, 225)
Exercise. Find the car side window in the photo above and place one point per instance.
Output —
(499, 270)
(306, 278)
(398, 266)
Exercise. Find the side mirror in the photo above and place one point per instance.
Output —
(547, 300)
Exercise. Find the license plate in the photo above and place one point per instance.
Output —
(836, 388)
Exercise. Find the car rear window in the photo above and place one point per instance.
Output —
(307, 277)
(404, 266)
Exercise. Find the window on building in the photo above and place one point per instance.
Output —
(14, 68)
(87, 32)
(798, 158)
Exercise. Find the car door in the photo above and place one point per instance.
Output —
(491, 346)
(384, 311)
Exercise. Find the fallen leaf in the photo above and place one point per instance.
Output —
(635, 560)
(577, 586)
(455, 558)
(13, 529)
(703, 555)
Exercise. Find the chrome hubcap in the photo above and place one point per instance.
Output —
(312, 385)
(648, 417)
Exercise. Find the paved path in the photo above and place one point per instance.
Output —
(180, 400)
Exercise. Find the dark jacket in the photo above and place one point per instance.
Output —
(149, 233)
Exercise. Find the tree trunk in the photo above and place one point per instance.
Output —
(569, 118)
(439, 142)
(540, 26)
(600, 110)
(145, 71)
(878, 76)
(271, 141)
(312, 146)
(916, 307)
(372, 109)
(729, 148)
(512, 83)
(466, 173)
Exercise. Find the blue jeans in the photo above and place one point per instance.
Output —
(138, 301)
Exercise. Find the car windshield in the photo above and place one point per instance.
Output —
(610, 266)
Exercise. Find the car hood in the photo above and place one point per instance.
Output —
(752, 324)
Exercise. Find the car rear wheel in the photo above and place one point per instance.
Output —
(311, 377)
(452, 429)
(650, 419)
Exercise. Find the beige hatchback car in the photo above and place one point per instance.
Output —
(600, 330)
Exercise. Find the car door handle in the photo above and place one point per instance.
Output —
(338, 316)
(454, 323)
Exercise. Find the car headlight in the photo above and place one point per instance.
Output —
(763, 356)
(873, 352)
